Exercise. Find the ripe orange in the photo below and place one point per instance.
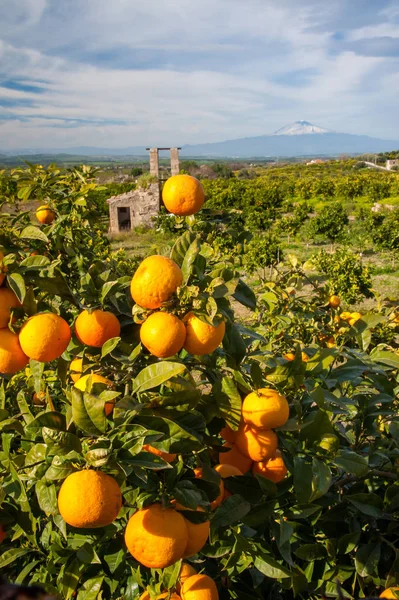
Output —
(96, 327)
(183, 195)
(186, 571)
(202, 338)
(8, 301)
(198, 533)
(155, 281)
(165, 455)
(236, 458)
(389, 592)
(45, 215)
(199, 587)
(163, 334)
(257, 444)
(156, 537)
(227, 471)
(228, 434)
(273, 469)
(83, 385)
(334, 301)
(76, 368)
(89, 499)
(12, 358)
(44, 337)
(39, 399)
(265, 409)
(3, 533)
(218, 501)
(2, 269)
(291, 356)
(355, 316)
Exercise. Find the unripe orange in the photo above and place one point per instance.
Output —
(44, 337)
(155, 281)
(183, 195)
(202, 338)
(45, 215)
(96, 327)
(265, 409)
(163, 334)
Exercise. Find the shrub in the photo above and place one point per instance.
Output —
(262, 252)
(330, 223)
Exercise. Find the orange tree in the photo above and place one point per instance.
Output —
(278, 523)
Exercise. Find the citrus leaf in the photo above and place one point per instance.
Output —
(156, 374)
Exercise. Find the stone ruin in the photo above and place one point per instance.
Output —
(138, 207)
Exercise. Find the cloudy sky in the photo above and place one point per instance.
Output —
(117, 73)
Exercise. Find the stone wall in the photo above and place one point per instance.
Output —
(143, 205)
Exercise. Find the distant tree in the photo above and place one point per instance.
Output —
(136, 171)
(330, 223)
(223, 171)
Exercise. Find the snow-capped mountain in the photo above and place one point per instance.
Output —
(300, 128)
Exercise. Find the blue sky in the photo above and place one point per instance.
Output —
(119, 73)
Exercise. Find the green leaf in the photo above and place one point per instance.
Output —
(189, 259)
(348, 542)
(367, 559)
(321, 480)
(109, 346)
(367, 504)
(59, 469)
(17, 284)
(47, 497)
(156, 374)
(245, 295)
(352, 462)
(311, 552)
(181, 246)
(37, 370)
(270, 567)
(233, 343)
(31, 232)
(231, 511)
(51, 419)
(229, 401)
(35, 262)
(88, 412)
(391, 359)
(9, 556)
(91, 589)
(61, 442)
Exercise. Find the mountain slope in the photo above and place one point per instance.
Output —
(301, 128)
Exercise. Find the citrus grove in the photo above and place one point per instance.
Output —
(155, 446)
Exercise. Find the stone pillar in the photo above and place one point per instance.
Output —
(174, 161)
(154, 162)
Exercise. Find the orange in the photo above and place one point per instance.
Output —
(218, 501)
(257, 444)
(345, 316)
(199, 587)
(202, 338)
(155, 281)
(273, 469)
(156, 537)
(265, 409)
(227, 471)
(228, 434)
(82, 385)
(236, 458)
(355, 316)
(198, 533)
(291, 356)
(334, 301)
(8, 301)
(12, 358)
(89, 499)
(183, 195)
(163, 334)
(330, 342)
(44, 337)
(39, 399)
(165, 455)
(2, 269)
(96, 327)
(388, 593)
(76, 368)
(45, 215)
(3, 533)
(186, 571)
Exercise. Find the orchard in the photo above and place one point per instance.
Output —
(154, 445)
